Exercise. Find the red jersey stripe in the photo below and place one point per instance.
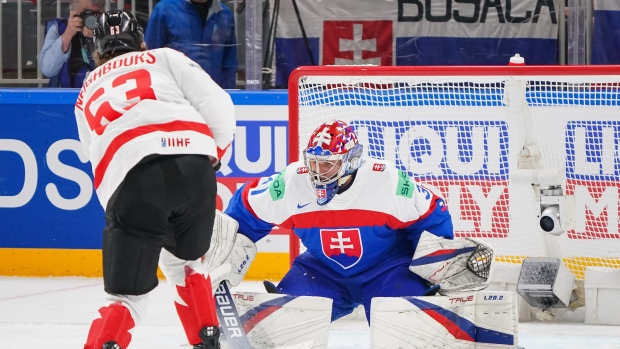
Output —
(129, 135)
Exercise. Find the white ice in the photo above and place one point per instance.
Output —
(55, 313)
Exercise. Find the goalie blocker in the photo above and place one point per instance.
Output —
(230, 254)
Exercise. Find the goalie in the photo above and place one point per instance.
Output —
(362, 221)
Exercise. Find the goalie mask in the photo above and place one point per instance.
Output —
(117, 31)
(332, 155)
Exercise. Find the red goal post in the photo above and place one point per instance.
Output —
(489, 139)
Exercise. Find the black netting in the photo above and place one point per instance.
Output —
(480, 261)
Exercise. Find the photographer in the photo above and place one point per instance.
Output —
(66, 53)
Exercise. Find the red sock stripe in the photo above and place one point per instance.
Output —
(200, 309)
(114, 325)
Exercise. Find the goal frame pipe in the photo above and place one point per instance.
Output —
(348, 70)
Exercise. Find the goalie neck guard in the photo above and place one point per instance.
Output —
(333, 154)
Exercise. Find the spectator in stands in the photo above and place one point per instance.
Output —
(202, 29)
(66, 53)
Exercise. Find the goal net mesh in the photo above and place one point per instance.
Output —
(488, 143)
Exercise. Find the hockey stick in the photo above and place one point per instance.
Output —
(232, 328)
(231, 325)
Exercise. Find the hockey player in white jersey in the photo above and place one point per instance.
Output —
(361, 221)
(153, 125)
(370, 230)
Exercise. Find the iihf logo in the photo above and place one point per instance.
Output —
(175, 142)
(378, 167)
(302, 170)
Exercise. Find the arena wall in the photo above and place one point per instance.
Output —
(50, 218)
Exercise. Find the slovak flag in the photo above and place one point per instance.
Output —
(345, 32)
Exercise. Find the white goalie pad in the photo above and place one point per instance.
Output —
(230, 254)
(481, 320)
(278, 320)
(458, 265)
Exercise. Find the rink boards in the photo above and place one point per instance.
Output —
(51, 221)
(50, 218)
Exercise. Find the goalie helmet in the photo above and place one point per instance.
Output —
(332, 155)
(117, 31)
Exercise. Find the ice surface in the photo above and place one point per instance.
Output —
(57, 312)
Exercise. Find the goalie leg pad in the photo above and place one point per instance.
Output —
(481, 320)
(278, 320)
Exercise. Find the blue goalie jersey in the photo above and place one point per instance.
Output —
(379, 217)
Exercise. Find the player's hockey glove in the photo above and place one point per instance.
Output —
(459, 265)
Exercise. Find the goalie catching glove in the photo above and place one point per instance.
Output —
(230, 254)
(459, 265)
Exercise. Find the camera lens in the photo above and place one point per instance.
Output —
(90, 22)
(547, 224)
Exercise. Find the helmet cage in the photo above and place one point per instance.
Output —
(347, 164)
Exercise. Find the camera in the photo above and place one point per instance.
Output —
(556, 215)
(90, 19)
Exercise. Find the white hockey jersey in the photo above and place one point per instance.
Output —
(151, 102)
(380, 216)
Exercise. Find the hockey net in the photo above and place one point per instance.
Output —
(481, 137)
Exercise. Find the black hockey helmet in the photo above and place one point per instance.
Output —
(117, 31)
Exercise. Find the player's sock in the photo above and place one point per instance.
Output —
(113, 326)
(198, 311)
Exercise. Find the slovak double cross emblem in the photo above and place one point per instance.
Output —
(343, 246)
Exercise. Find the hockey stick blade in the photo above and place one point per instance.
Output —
(231, 325)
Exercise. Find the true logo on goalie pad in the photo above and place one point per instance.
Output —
(459, 326)
(258, 313)
(343, 246)
(472, 320)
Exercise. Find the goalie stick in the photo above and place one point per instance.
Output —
(231, 325)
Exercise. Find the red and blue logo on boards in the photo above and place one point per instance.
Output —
(593, 177)
(343, 246)
(463, 161)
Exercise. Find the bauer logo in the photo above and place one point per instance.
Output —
(593, 178)
(357, 42)
(343, 246)
(463, 161)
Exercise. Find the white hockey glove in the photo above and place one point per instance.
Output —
(459, 265)
(230, 254)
